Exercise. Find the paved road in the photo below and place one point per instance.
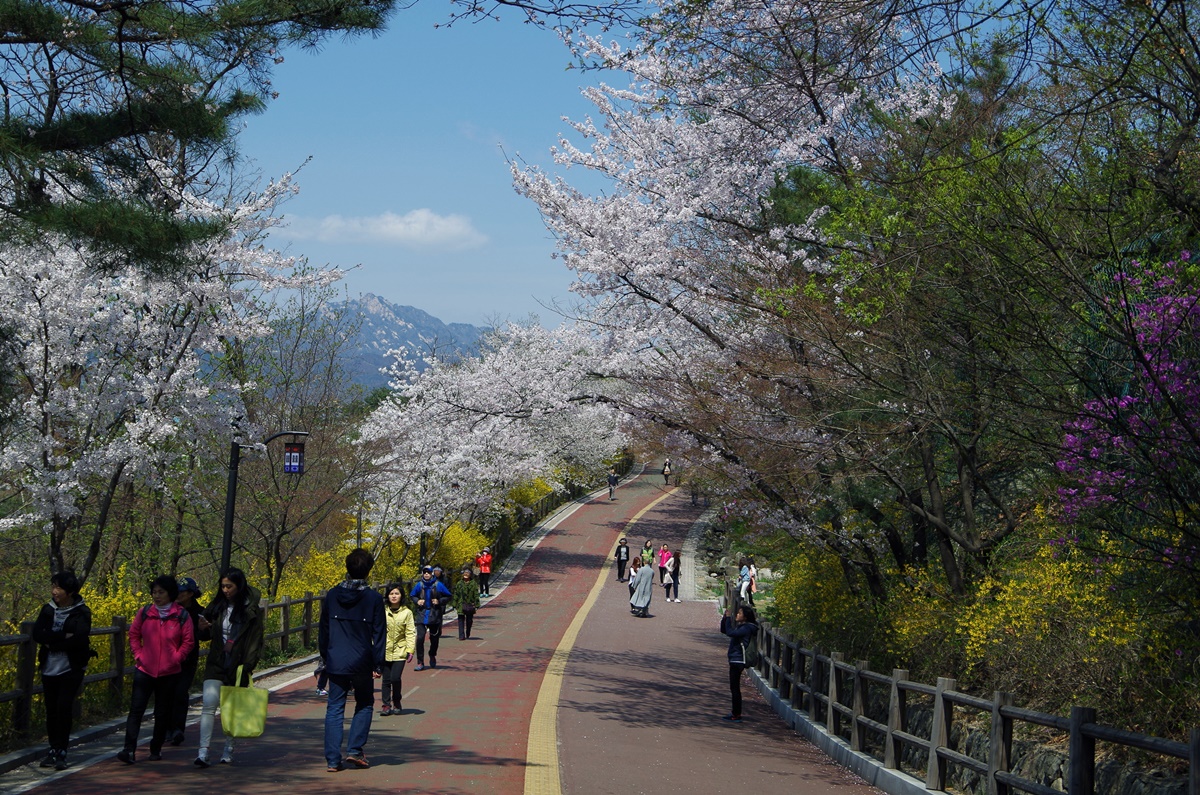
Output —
(634, 703)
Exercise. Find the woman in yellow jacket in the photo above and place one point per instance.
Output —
(399, 647)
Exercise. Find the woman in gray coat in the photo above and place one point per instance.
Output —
(642, 584)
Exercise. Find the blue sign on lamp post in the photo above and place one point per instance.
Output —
(293, 464)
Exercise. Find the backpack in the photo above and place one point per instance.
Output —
(750, 651)
(182, 617)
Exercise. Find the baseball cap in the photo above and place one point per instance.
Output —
(188, 584)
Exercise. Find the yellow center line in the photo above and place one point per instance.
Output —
(541, 754)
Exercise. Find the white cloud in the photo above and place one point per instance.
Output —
(423, 228)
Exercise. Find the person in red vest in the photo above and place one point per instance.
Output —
(484, 562)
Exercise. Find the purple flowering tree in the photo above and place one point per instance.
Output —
(1131, 456)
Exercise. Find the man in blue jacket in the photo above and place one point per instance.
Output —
(431, 597)
(353, 630)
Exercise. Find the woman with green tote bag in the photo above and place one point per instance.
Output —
(233, 622)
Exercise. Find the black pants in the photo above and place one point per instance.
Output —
(435, 637)
(484, 578)
(621, 564)
(735, 687)
(183, 695)
(60, 694)
(163, 690)
(465, 620)
(391, 693)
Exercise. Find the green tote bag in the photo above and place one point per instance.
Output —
(243, 709)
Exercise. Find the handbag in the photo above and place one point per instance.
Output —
(243, 709)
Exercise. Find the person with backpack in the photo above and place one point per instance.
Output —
(431, 597)
(465, 602)
(161, 638)
(743, 650)
(189, 594)
(233, 622)
(62, 631)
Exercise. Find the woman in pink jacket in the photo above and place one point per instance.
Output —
(161, 637)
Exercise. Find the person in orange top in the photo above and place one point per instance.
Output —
(484, 562)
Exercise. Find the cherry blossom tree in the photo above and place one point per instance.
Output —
(457, 436)
(112, 376)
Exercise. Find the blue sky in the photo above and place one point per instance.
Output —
(407, 134)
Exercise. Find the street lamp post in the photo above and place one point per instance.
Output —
(293, 464)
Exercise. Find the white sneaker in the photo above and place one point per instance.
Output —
(678, 600)
(227, 755)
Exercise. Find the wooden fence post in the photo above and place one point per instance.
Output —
(939, 734)
(1000, 755)
(897, 718)
(787, 682)
(26, 655)
(859, 701)
(833, 719)
(306, 633)
(116, 658)
(1194, 763)
(814, 706)
(1081, 754)
(286, 613)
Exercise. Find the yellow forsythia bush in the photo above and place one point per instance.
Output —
(921, 615)
(1051, 618)
(815, 604)
(319, 571)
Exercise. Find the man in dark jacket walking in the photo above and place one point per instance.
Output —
(431, 598)
(352, 636)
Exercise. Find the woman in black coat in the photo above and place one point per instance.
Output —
(62, 631)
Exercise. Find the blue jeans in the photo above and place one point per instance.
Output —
(340, 686)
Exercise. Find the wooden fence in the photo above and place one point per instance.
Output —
(848, 700)
(296, 618)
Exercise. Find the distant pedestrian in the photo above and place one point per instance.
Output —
(188, 599)
(753, 589)
(740, 630)
(62, 631)
(612, 483)
(465, 601)
(622, 558)
(431, 598)
(674, 566)
(670, 578)
(401, 643)
(351, 638)
(664, 555)
(161, 637)
(233, 622)
(484, 561)
(642, 586)
(648, 553)
(666, 472)
(322, 677)
(744, 580)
